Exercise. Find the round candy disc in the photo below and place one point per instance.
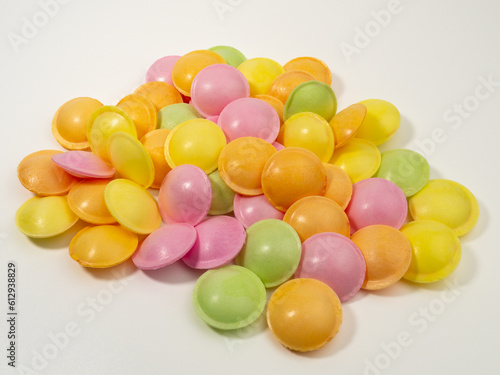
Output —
(249, 117)
(231, 55)
(69, 125)
(130, 159)
(376, 201)
(216, 86)
(164, 246)
(286, 82)
(335, 260)
(86, 200)
(104, 122)
(141, 111)
(304, 314)
(132, 206)
(315, 214)
(260, 73)
(448, 202)
(346, 123)
(436, 251)
(275, 103)
(241, 163)
(83, 164)
(387, 253)
(174, 114)
(381, 122)
(189, 65)
(38, 173)
(43, 217)
(291, 174)
(159, 93)
(230, 297)
(222, 195)
(310, 131)
(103, 246)
(272, 250)
(154, 143)
(313, 66)
(219, 240)
(338, 185)
(406, 168)
(198, 142)
(185, 195)
(249, 210)
(311, 96)
(161, 69)
(360, 159)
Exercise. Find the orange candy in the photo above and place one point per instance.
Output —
(159, 93)
(315, 214)
(346, 123)
(40, 175)
(154, 143)
(338, 185)
(286, 82)
(275, 103)
(86, 200)
(312, 65)
(141, 111)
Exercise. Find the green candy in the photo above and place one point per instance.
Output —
(311, 96)
(272, 251)
(406, 168)
(174, 114)
(229, 297)
(231, 55)
(222, 195)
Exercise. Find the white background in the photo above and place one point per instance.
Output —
(428, 57)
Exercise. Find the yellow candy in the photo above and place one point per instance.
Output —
(104, 122)
(43, 217)
(310, 131)
(132, 206)
(317, 68)
(436, 251)
(198, 142)
(260, 73)
(130, 159)
(86, 200)
(154, 143)
(359, 158)
(141, 111)
(381, 122)
(448, 202)
(103, 246)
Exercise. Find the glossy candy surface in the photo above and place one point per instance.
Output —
(260, 73)
(174, 114)
(141, 111)
(346, 123)
(311, 96)
(83, 164)
(230, 297)
(154, 144)
(448, 202)
(304, 314)
(272, 250)
(381, 122)
(164, 246)
(185, 195)
(249, 210)
(43, 217)
(335, 260)
(219, 240)
(86, 199)
(161, 69)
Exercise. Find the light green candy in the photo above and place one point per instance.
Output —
(222, 195)
(406, 168)
(272, 251)
(231, 55)
(229, 297)
(172, 115)
(311, 96)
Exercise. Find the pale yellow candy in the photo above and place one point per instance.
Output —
(131, 159)
(43, 217)
(132, 206)
(448, 202)
(260, 73)
(381, 122)
(436, 251)
(103, 246)
(359, 158)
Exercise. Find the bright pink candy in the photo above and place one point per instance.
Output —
(83, 164)
(335, 260)
(220, 239)
(164, 246)
(249, 117)
(161, 70)
(248, 210)
(376, 201)
(213, 119)
(216, 86)
(185, 195)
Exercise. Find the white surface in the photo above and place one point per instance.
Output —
(428, 57)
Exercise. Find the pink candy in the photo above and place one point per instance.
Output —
(161, 69)
(250, 209)
(83, 164)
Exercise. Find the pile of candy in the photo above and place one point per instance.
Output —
(261, 183)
